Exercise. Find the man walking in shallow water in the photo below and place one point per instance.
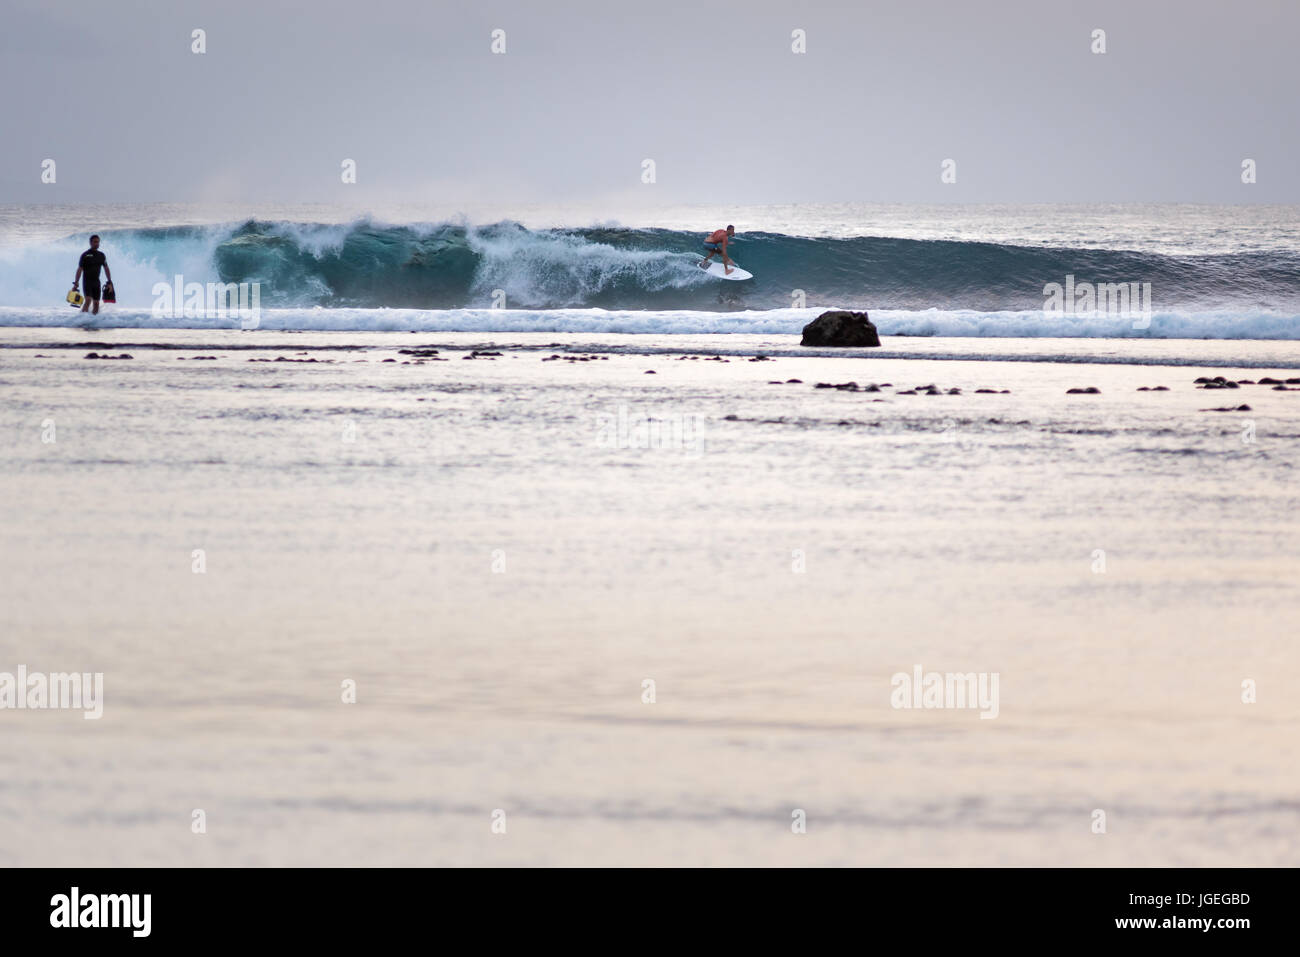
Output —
(91, 261)
(716, 242)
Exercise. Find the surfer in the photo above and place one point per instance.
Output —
(716, 242)
(90, 263)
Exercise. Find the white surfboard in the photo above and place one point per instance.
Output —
(717, 269)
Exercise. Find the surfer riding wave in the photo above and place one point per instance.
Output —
(715, 243)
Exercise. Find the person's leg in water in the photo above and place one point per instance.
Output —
(91, 291)
(713, 249)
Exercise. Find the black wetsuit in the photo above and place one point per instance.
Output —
(92, 261)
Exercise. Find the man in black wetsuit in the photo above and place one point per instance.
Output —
(90, 263)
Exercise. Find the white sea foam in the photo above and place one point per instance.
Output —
(926, 323)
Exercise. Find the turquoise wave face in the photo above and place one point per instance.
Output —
(457, 266)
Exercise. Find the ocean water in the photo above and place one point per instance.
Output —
(500, 566)
(1201, 272)
(651, 619)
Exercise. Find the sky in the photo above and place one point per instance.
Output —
(712, 93)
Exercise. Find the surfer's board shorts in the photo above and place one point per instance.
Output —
(90, 288)
(713, 247)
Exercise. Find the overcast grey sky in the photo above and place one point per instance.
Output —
(710, 91)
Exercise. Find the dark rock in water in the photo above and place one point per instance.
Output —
(795, 381)
(886, 385)
(91, 355)
(761, 359)
(871, 387)
(1240, 408)
(1090, 390)
(650, 372)
(390, 360)
(1161, 388)
(1245, 382)
(986, 391)
(954, 391)
(842, 329)
(841, 386)
(1276, 388)
(1268, 380)
(906, 392)
(1220, 384)
(1293, 381)
(1201, 380)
